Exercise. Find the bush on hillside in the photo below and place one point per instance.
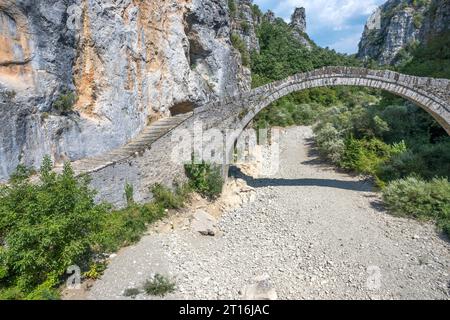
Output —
(417, 198)
(240, 46)
(46, 227)
(205, 178)
(65, 102)
(169, 199)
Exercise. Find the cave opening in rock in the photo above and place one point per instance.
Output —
(181, 108)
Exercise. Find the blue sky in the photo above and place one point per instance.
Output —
(337, 24)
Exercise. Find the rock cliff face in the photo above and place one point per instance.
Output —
(270, 16)
(399, 23)
(298, 24)
(129, 63)
(79, 78)
(245, 21)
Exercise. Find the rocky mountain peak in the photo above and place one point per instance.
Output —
(298, 19)
(397, 24)
(270, 16)
(298, 25)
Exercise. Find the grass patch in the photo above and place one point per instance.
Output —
(159, 286)
(169, 199)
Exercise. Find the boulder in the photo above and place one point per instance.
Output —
(260, 289)
(204, 223)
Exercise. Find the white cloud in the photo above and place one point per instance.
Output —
(332, 14)
(346, 44)
(335, 23)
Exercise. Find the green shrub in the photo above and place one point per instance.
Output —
(95, 271)
(169, 199)
(422, 158)
(65, 102)
(399, 166)
(305, 114)
(46, 227)
(444, 224)
(245, 26)
(366, 156)
(45, 291)
(232, 7)
(129, 194)
(418, 20)
(205, 179)
(21, 174)
(124, 227)
(256, 11)
(417, 198)
(384, 139)
(240, 46)
(330, 143)
(159, 286)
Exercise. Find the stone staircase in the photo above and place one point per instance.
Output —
(142, 142)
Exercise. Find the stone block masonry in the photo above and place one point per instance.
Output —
(149, 158)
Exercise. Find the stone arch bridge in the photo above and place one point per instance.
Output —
(152, 156)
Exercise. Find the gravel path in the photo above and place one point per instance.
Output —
(313, 232)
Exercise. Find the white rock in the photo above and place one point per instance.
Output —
(261, 289)
(204, 223)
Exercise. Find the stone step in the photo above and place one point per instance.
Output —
(130, 149)
(163, 128)
(147, 137)
(152, 134)
(101, 159)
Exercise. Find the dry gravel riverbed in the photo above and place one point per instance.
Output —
(310, 232)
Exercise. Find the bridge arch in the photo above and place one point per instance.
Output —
(432, 95)
(148, 159)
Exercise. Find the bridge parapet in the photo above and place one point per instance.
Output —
(431, 94)
(439, 88)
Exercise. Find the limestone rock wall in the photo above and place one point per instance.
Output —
(129, 62)
(245, 22)
(399, 23)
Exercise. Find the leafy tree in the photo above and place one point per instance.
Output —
(46, 227)
(49, 225)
